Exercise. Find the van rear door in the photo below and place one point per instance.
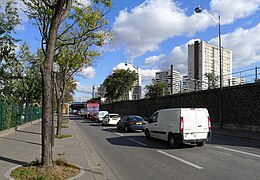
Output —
(189, 118)
(202, 120)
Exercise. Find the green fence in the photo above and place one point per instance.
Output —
(14, 115)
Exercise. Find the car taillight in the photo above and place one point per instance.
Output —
(131, 123)
(209, 123)
(181, 124)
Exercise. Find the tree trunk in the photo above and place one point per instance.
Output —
(60, 13)
(46, 117)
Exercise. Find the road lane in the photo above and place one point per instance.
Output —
(131, 156)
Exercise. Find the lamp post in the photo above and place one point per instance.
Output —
(198, 10)
(55, 69)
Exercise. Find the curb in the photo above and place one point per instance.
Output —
(8, 173)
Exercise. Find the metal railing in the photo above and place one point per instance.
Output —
(237, 78)
(14, 115)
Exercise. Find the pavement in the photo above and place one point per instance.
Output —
(24, 145)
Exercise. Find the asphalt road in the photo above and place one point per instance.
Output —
(131, 157)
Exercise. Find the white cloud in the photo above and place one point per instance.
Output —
(244, 44)
(178, 57)
(144, 27)
(148, 75)
(153, 59)
(87, 73)
(85, 3)
(232, 10)
(125, 66)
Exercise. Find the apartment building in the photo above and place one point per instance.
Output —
(170, 77)
(203, 59)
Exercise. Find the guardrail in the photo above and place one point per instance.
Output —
(14, 115)
(237, 78)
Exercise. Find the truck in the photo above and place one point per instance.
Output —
(92, 111)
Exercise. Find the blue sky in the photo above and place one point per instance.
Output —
(154, 34)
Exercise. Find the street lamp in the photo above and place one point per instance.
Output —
(55, 69)
(198, 10)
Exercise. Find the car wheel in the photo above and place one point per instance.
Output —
(200, 143)
(147, 134)
(171, 141)
(118, 128)
(126, 128)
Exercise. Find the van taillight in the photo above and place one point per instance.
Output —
(209, 123)
(181, 124)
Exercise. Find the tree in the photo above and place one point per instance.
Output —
(212, 80)
(119, 83)
(28, 84)
(54, 19)
(156, 89)
(9, 19)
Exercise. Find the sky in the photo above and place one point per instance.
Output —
(153, 34)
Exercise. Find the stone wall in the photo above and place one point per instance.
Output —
(240, 105)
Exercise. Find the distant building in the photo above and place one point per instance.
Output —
(101, 91)
(236, 81)
(170, 77)
(203, 59)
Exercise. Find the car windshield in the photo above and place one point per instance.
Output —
(114, 116)
(102, 114)
(136, 118)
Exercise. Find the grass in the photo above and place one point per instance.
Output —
(61, 136)
(60, 170)
(64, 126)
(65, 121)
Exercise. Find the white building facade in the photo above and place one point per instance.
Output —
(203, 59)
(170, 77)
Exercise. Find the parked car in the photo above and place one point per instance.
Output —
(130, 123)
(180, 125)
(101, 115)
(111, 119)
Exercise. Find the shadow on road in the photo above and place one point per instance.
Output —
(140, 141)
(12, 161)
(218, 139)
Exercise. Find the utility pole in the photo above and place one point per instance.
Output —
(171, 79)
(93, 92)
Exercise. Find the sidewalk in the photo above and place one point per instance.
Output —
(23, 146)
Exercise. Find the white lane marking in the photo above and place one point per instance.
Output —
(182, 160)
(137, 142)
(242, 152)
(225, 153)
(119, 134)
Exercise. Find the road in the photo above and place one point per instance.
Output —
(131, 157)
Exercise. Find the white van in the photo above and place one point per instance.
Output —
(180, 125)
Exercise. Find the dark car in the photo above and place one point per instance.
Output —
(130, 123)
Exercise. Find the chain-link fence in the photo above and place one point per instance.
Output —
(14, 115)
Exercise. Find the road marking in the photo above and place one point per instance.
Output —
(225, 153)
(137, 142)
(242, 152)
(119, 134)
(182, 160)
